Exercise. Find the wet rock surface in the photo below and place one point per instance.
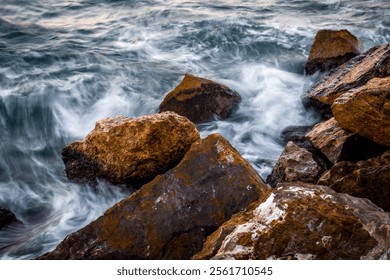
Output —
(171, 216)
(330, 49)
(200, 100)
(296, 164)
(130, 151)
(366, 110)
(303, 221)
(375, 63)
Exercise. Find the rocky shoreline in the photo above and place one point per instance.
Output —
(328, 196)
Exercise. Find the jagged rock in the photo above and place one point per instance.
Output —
(200, 100)
(330, 49)
(296, 164)
(296, 134)
(340, 145)
(366, 110)
(6, 217)
(130, 151)
(171, 216)
(303, 221)
(375, 63)
(368, 179)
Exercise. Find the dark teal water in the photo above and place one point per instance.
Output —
(66, 64)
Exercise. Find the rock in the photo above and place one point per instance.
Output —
(303, 221)
(296, 134)
(130, 151)
(330, 49)
(171, 216)
(296, 164)
(339, 145)
(367, 179)
(366, 110)
(200, 100)
(6, 217)
(375, 63)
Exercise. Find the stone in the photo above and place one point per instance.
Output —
(330, 49)
(171, 216)
(130, 151)
(296, 134)
(367, 179)
(303, 221)
(375, 63)
(201, 100)
(296, 164)
(6, 217)
(366, 110)
(340, 145)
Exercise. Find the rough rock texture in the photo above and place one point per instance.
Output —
(366, 110)
(339, 145)
(375, 63)
(296, 164)
(368, 179)
(296, 134)
(303, 221)
(330, 49)
(130, 151)
(6, 217)
(171, 216)
(200, 100)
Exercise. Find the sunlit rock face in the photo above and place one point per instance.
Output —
(330, 49)
(366, 110)
(303, 221)
(201, 100)
(130, 151)
(171, 216)
(375, 63)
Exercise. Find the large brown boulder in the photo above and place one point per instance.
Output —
(366, 110)
(6, 217)
(330, 49)
(296, 164)
(368, 179)
(303, 221)
(171, 216)
(375, 63)
(130, 151)
(340, 145)
(200, 100)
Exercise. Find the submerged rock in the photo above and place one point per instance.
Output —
(6, 217)
(296, 164)
(366, 110)
(130, 151)
(368, 179)
(200, 100)
(340, 145)
(330, 49)
(171, 216)
(303, 221)
(355, 73)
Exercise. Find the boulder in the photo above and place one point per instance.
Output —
(303, 221)
(6, 217)
(368, 179)
(200, 100)
(340, 145)
(296, 164)
(330, 49)
(375, 63)
(130, 151)
(366, 110)
(171, 216)
(296, 134)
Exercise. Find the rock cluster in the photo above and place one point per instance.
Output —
(198, 198)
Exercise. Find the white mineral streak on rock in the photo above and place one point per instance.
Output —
(304, 256)
(264, 217)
